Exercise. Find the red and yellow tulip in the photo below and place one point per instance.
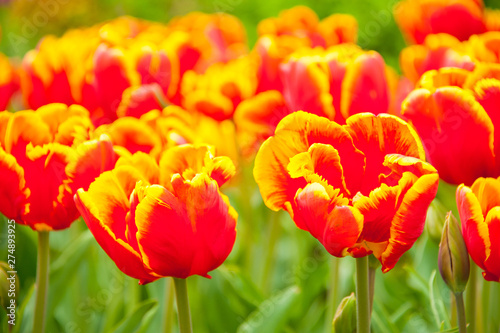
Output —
(479, 209)
(360, 188)
(166, 219)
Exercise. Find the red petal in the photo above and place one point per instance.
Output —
(456, 132)
(13, 191)
(104, 208)
(474, 228)
(377, 136)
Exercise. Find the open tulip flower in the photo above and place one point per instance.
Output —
(360, 188)
(44, 155)
(479, 209)
(163, 220)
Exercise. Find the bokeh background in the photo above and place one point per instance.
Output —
(89, 294)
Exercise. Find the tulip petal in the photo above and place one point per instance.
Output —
(294, 134)
(329, 220)
(144, 163)
(377, 136)
(474, 228)
(190, 233)
(491, 265)
(365, 86)
(306, 86)
(409, 220)
(51, 205)
(13, 191)
(487, 192)
(22, 128)
(104, 208)
(92, 158)
(189, 160)
(455, 130)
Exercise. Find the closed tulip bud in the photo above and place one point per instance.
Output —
(453, 258)
(9, 287)
(345, 317)
(435, 220)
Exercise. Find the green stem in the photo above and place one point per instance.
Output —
(274, 233)
(485, 299)
(181, 296)
(470, 298)
(42, 281)
(332, 292)
(362, 296)
(462, 323)
(371, 284)
(169, 305)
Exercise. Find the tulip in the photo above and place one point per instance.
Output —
(301, 22)
(167, 219)
(44, 158)
(359, 189)
(334, 83)
(454, 111)
(478, 207)
(351, 206)
(419, 18)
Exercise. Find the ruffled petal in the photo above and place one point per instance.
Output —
(143, 162)
(409, 220)
(294, 134)
(377, 136)
(92, 158)
(329, 220)
(13, 191)
(132, 134)
(51, 205)
(22, 128)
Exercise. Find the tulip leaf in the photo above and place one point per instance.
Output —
(272, 314)
(138, 319)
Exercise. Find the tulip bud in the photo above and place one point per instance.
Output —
(345, 317)
(453, 259)
(9, 286)
(436, 215)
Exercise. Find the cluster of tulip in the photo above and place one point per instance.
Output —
(136, 125)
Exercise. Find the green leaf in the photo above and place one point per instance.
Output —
(272, 314)
(139, 318)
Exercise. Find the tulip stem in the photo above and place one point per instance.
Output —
(332, 292)
(274, 233)
(470, 298)
(42, 281)
(371, 284)
(169, 305)
(183, 312)
(362, 296)
(462, 323)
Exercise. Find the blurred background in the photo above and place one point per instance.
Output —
(23, 22)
